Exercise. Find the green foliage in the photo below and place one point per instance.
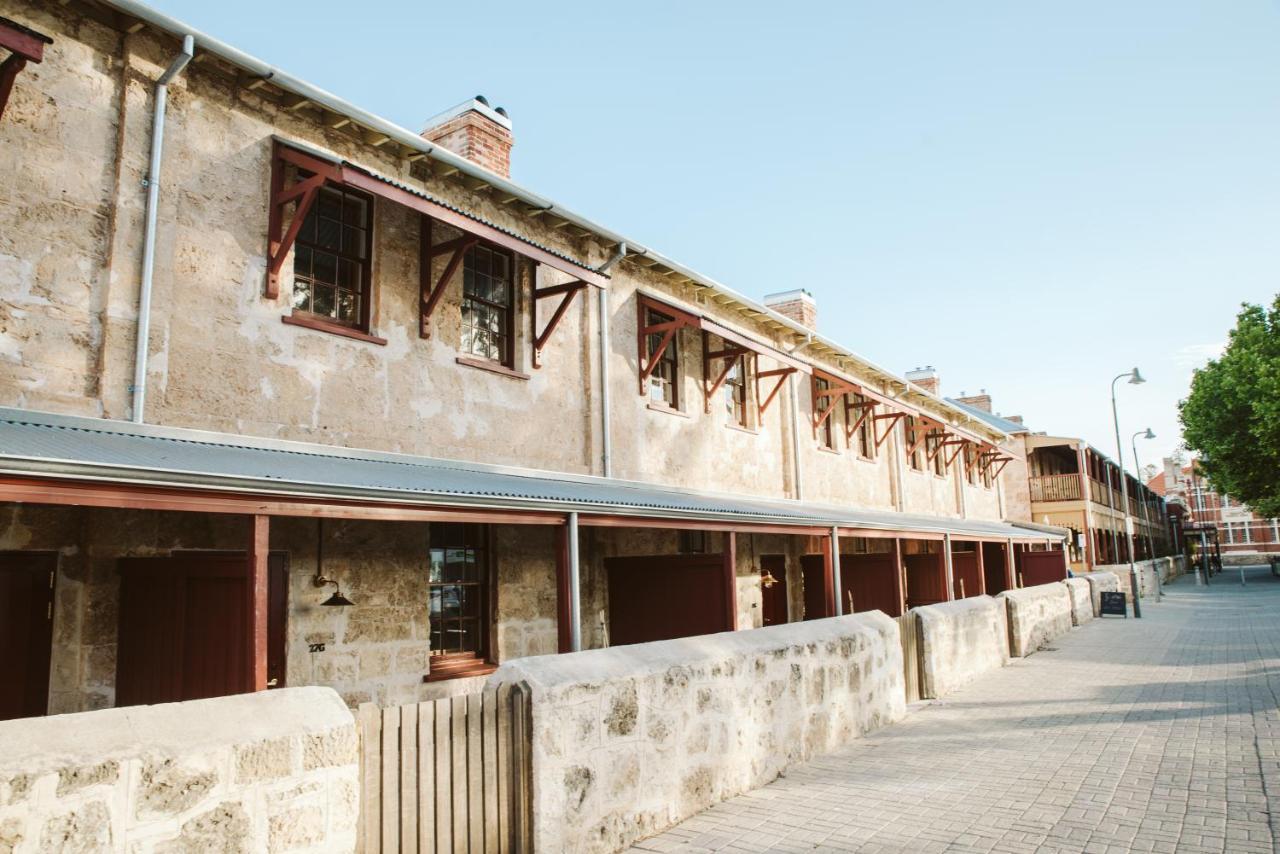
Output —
(1232, 415)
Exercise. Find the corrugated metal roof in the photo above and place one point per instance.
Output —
(113, 451)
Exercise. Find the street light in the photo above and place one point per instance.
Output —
(1146, 508)
(1135, 378)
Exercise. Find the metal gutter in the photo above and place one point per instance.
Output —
(409, 139)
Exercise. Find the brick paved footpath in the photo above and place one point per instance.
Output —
(1157, 734)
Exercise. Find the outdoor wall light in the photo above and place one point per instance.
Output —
(767, 580)
(337, 600)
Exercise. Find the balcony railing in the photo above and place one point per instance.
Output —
(1100, 493)
(1056, 487)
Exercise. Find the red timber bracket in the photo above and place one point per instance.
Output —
(826, 400)
(24, 45)
(890, 420)
(959, 445)
(780, 375)
(316, 169)
(728, 354)
(1003, 461)
(567, 292)
(938, 431)
(678, 319)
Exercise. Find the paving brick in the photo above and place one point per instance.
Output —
(1152, 735)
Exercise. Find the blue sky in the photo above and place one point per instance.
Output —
(1030, 196)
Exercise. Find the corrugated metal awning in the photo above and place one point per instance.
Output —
(69, 448)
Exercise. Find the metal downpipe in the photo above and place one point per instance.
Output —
(575, 587)
(602, 295)
(139, 387)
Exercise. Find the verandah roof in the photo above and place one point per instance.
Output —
(75, 450)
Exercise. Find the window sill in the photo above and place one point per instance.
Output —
(320, 325)
(491, 367)
(459, 668)
(824, 449)
(742, 429)
(658, 407)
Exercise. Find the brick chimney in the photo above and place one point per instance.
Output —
(1016, 419)
(797, 305)
(926, 378)
(475, 131)
(981, 400)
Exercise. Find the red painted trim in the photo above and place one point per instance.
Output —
(730, 557)
(259, 537)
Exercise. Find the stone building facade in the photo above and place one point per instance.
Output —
(423, 309)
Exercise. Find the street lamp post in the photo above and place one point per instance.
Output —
(1146, 508)
(1135, 378)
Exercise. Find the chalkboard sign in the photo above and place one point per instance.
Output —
(1114, 603)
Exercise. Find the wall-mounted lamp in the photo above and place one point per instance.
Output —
(337, 600)
(767, 580)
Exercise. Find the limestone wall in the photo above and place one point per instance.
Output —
(630, 740)
(1037, 615)
(276, 771)
(1147, 570)
(961, 640)
(1081, 600)
(1099, 583)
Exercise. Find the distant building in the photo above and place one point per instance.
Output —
(1239, 528)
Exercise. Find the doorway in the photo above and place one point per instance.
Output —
(184, 626)
(26, 631)
(665, 596)
(774, 596)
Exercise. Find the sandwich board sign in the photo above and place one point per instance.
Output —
(1113, 603)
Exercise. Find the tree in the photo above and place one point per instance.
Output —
(1232, 415)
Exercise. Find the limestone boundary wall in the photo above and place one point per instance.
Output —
(1081, 600)
(272, 771)
(1037, 615)
(960, 641)
(630, 740)
(1168, 568)
(1099, 583)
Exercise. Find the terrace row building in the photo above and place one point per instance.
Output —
(293, 395)
(1238, 529)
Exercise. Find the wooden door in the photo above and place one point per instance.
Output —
(26, 632)
(965, 575)
(926, 579)
(184, 627)
(665, 596)
(813, 571)
(774, 597)
(993, 567)
(870, 580)
(1041, 567)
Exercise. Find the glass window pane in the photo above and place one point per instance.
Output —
(353, 211)
(324, 267)
(348, 307)
(329, 203)
(302, 261)
(301, 295)
(322, 301)
(353, 240)
(328, 233)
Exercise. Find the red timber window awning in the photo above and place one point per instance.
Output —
(717, 363)
(24, 45)
(312, 170)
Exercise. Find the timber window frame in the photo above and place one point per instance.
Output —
(735, 392)
(333, 255)
(859, 419)
(462, 592)
(824, 428)
(661, 355)
(911, 445)
(488, 304)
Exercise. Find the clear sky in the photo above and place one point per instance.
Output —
(1030, 196)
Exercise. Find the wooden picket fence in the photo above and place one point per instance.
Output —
(448, 775)
(909, 632)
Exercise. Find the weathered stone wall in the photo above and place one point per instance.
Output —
(630, 740)
(1147, 570)
(960, 641)
(1081, 600)
(1099, 583)
(1037, 615)
(77, 137)
(276, 771)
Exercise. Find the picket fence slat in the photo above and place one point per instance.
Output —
(444, 775)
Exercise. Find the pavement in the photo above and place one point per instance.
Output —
(1157, 734)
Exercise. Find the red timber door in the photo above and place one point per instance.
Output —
(813, 570)
(774, 597)
(926, 579)
(964, 575)
(184, 627)
(26, 632)
(665, 596)
(1041, 567)
(868, 579)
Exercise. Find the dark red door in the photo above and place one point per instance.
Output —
(1041, 567)
(964, 574)
(184, 627)
(775, 595)
(926, 579)
(26, 632)
(813, 570)
(993, 567)
(665, 596)
(868, 579)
